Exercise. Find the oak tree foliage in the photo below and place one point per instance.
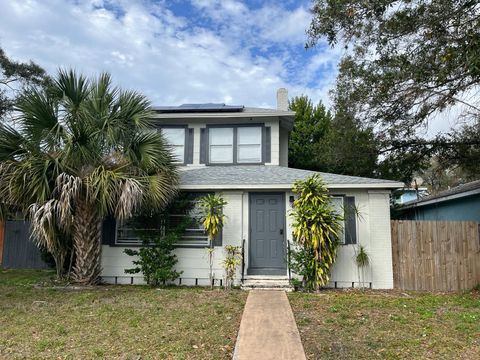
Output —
(408, 64)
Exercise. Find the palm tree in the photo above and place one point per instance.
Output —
(78, 152)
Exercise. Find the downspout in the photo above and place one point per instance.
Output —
(243, 239)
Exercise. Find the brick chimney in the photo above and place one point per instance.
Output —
(282, 99)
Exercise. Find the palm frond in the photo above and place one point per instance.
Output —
(38, 117)
(72, 88)
(11, 143)
(149, 150)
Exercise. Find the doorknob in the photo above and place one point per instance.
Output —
(281, 231)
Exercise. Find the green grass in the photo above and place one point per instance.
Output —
(388, 325)
(127, 322)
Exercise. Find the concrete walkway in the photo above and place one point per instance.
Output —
(268, 329)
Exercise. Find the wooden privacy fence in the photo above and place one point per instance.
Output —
(435, 255)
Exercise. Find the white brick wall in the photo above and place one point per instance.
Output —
(373, 232)
(192, 261)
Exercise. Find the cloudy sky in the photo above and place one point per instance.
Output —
(176, 51)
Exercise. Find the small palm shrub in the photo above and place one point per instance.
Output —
(211, 210)
(362, 260)
(233, 259)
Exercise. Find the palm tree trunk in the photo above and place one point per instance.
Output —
(87, 233)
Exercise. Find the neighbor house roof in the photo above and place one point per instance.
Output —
(456, 192)
(268, 177)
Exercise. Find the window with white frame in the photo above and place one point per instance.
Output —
(176, 140)
(337, 202)
(220, 145)
(249, 144)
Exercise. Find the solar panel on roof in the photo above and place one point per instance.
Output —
(207, 107)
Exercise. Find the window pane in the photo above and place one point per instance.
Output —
(337, 203)
(221, 136)
(221, 154)
(249, 135)
(176, 139)
(174, 136)
(178, 152)
(249, 153)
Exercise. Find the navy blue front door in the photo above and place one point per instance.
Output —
(267, 253)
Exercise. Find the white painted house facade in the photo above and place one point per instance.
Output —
(242, 153)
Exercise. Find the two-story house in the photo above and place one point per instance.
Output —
(242, 153)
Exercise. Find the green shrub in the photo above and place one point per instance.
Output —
(156, 259)
(159, 234)
(316, 229)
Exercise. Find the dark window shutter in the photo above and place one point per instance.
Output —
(350, 220)
(189, 147)
(268, 145)
(218, 239)
(109, 230)
(203, 146)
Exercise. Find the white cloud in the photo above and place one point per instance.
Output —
(242, 56)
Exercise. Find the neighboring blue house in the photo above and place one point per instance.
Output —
(461, 203)
(404, 195)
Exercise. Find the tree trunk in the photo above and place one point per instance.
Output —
(87, 243)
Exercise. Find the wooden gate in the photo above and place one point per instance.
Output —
(435, 255)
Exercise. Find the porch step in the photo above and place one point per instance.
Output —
(265, 282)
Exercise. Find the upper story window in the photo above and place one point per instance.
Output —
(176, 139)
(249, 144)
(239, 144)
(221, 145)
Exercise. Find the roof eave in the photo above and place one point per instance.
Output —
(441, 199)
(288, 116)
(285, 186)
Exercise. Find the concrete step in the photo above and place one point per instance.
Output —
(267, 283)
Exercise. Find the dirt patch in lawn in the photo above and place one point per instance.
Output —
(338, 324)
(126, 322)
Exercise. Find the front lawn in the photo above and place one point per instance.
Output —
(127, 322)
(350, 324)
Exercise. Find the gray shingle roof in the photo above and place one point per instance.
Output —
(269, 175)
(445, 195)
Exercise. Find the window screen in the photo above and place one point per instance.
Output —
(176, 139)
(249, 144)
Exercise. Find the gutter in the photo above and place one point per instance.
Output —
(393, 185)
